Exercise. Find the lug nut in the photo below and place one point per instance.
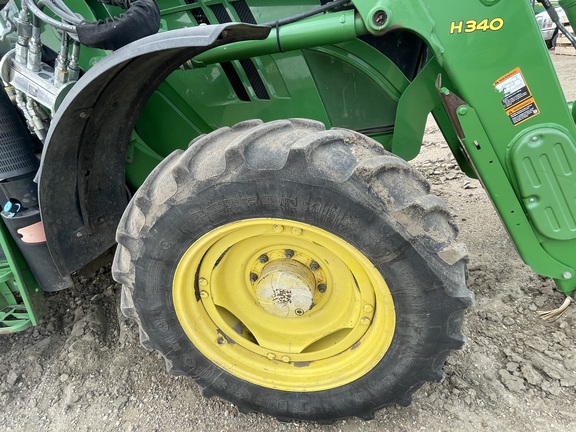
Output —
(253, 277)
(314, 266)
(296, 231)
(289, 253)
(263, 258)
(322, 288)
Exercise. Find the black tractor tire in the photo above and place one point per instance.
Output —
(338, 182)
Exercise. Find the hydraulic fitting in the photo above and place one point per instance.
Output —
(24, 32)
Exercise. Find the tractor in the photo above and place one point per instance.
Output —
(247, 159)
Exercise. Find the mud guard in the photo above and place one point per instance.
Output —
(82, 191)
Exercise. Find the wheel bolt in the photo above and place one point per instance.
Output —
(322, 288)
(271, 356)
(299, 312)
(296, 231)
(253, 277)
(221, 341)
(289, 253)
(314, 266)
(286, 359)
(204, 294)
(278, 228)
(203, 281)
(263, 258)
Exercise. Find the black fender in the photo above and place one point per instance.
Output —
(81, 184)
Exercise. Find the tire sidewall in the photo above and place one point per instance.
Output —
(419, 294)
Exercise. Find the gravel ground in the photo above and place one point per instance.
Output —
(84, 369)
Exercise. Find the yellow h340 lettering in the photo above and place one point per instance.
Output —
(470, 26)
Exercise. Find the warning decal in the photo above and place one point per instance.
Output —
(523, 112)
(518, 101)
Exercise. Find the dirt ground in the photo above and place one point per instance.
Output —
(83, 368)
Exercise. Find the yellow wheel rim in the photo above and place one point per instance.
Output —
(284, 305)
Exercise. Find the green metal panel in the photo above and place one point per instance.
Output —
(349, 85)
(545, 168)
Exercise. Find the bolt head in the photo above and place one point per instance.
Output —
(286, 359)
(567, 275)
(314, 266)
(379, 18)
(289, 253)
(263, 258)
(271, 356)
(202, 282)
(368, 308)
(296, 231)
(278, 228)
(322, 288)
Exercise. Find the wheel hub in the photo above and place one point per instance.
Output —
(284, 305)
(285, 288)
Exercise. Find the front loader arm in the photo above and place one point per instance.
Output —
(514, 123)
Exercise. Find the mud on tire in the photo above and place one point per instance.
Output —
(348, 190)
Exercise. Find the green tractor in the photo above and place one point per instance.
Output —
(248, 159)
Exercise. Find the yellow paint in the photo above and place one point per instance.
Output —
(337, 338)
(471, 26)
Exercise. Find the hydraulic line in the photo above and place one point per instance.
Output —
(68, 28)
(556, 19)
(73, 19)
(65, 8)
(294, 18)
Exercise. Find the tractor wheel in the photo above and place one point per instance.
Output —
(298, 272)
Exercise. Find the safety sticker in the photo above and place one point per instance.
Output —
(523, 112)
(518, 101)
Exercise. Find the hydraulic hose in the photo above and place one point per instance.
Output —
(64, 7)
(68, 28)
(328, 6)
(566, 4)
(73, 19)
